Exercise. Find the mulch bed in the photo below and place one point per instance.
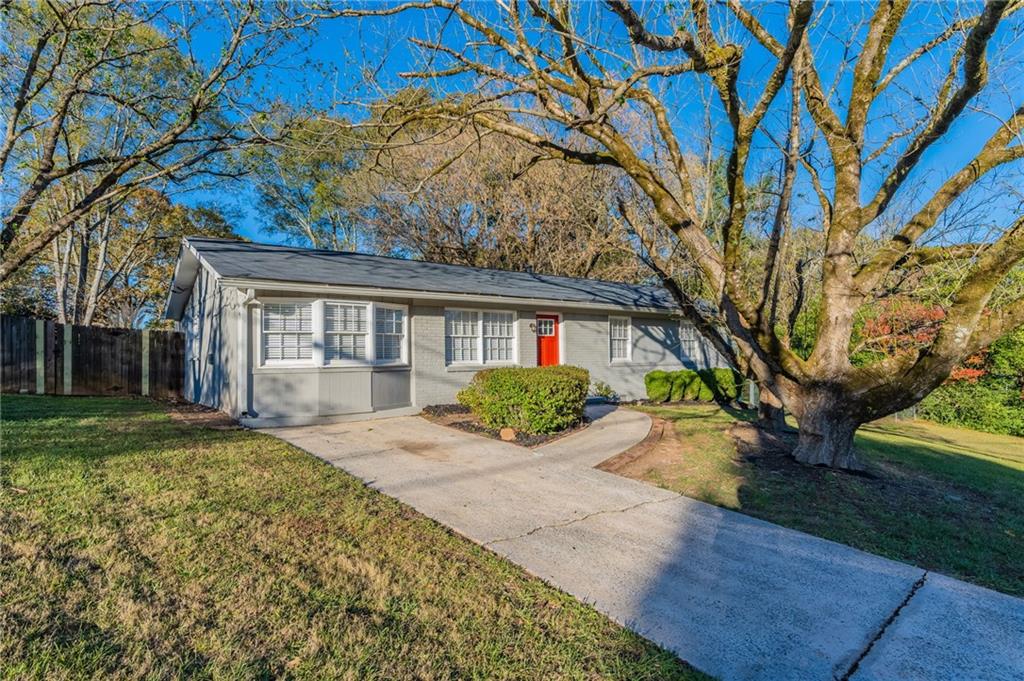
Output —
(460, 417)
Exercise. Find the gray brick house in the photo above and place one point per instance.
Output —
(279, 336)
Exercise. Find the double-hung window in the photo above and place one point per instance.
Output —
(618, 338)
(479, 337)
(462, 336)
(332, 333)
(688, 340)
(345, 332)
(499, 337)
(288, 332)
(389, 339)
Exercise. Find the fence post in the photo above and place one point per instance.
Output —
(145, 363)
(66, 330)
(40, 357)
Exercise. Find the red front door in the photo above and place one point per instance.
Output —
(547, 340)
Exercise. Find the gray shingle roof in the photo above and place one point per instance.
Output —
(242, 260)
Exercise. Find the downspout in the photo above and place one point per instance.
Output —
(248, 298)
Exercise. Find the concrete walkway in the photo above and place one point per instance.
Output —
(736, 597)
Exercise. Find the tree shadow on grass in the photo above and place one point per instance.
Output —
(923, 502)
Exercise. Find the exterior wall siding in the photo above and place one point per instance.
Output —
(210, 343)
(437, 383)
(655, 344)
(215, 343)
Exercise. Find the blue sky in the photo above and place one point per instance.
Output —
(325, 74)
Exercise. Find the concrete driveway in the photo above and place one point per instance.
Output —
(736, 597)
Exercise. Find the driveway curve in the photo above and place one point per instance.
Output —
(736, 597)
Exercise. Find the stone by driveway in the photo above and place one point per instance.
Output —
(734, 596)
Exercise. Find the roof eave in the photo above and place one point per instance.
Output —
(335, 289)
(186, 269)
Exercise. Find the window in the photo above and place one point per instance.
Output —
(499, 337)
(288, 332)
(344, 332)
(390, 335)
(688, 340)
(482, 337)
(545, 327)
(618, 334)
(461, 335)
(332, 332)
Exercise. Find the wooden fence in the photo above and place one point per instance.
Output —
(44, 357)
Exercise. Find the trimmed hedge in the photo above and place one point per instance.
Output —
(707, 385)
(528, 399)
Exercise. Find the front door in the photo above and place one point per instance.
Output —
(547, 340)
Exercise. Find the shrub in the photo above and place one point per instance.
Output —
(724, 383)
(992, 405)
(704, 386)
(985, 393)
(659, 385)
(605, 391)
(531, 400)
(688, 386)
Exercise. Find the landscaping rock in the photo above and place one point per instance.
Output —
(507, 434)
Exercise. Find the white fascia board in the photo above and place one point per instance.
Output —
(452, 298)
(186, 252)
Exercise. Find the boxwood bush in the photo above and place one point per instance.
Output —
(659, 385)
(529, 399)
(707, 385)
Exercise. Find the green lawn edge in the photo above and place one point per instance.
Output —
(137, 546)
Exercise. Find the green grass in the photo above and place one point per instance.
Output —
(942, 498)
(133, 545)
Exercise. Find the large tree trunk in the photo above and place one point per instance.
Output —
(827, 425)
(770, 413)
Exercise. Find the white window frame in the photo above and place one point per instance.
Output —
(688, 329)
(403, 359)
(612, 359)
(319, 360)
(261, 345)
(479, 361)
(321, 308)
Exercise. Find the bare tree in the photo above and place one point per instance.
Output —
(112, 95)
(496, 204)
(580, 69)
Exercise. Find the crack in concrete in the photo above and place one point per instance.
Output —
(578, 520)
(914, 588)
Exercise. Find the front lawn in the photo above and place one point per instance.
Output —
(941, 498)
(133, 545)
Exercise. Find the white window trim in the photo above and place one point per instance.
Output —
(284, 363)
(629, 340)
(320, 311)
(319, 335)
(683, 355)
(480, 338)
(404, 357)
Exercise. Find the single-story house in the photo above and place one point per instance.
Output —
(277, 335)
